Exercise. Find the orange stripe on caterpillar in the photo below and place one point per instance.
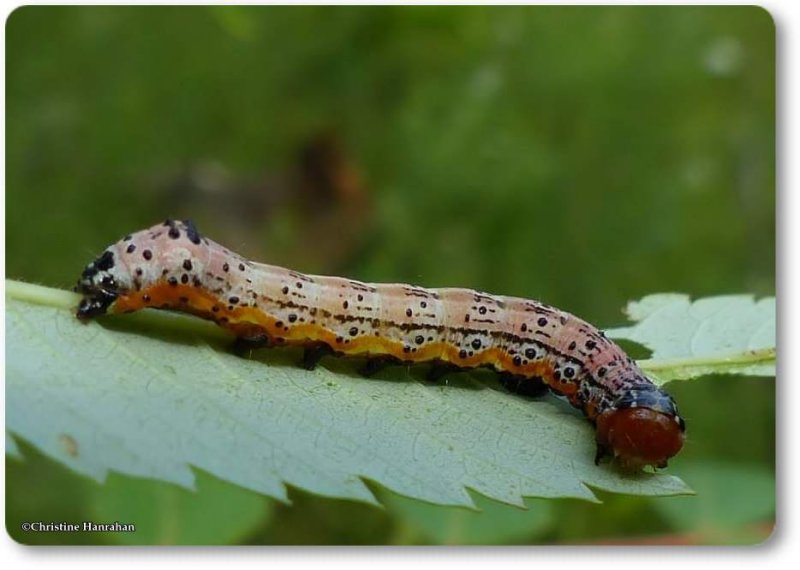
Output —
(171, 266)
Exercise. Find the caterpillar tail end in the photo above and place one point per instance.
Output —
(94, 305)
(99, 286)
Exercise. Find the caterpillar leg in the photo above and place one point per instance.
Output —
(602, 451)
(314, 353)
(243, 346)
(438, 370)
(375, 365)
(533, 387)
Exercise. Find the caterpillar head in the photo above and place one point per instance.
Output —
(643, 427)
(101, 282)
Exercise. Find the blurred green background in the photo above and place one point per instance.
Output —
(582, 156)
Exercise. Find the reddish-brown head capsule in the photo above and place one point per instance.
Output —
(644, 428)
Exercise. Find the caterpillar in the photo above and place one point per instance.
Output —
(534, 347)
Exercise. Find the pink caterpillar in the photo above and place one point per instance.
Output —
(532, 345)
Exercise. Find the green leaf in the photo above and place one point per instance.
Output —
(493, 523)
(12, 450)
(152, 393)
(218, 513)
(732, 334)
(730, 496)
(38, 490)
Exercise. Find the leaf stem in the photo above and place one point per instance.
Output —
(41, 295)
(744, 358)
(153, 318)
